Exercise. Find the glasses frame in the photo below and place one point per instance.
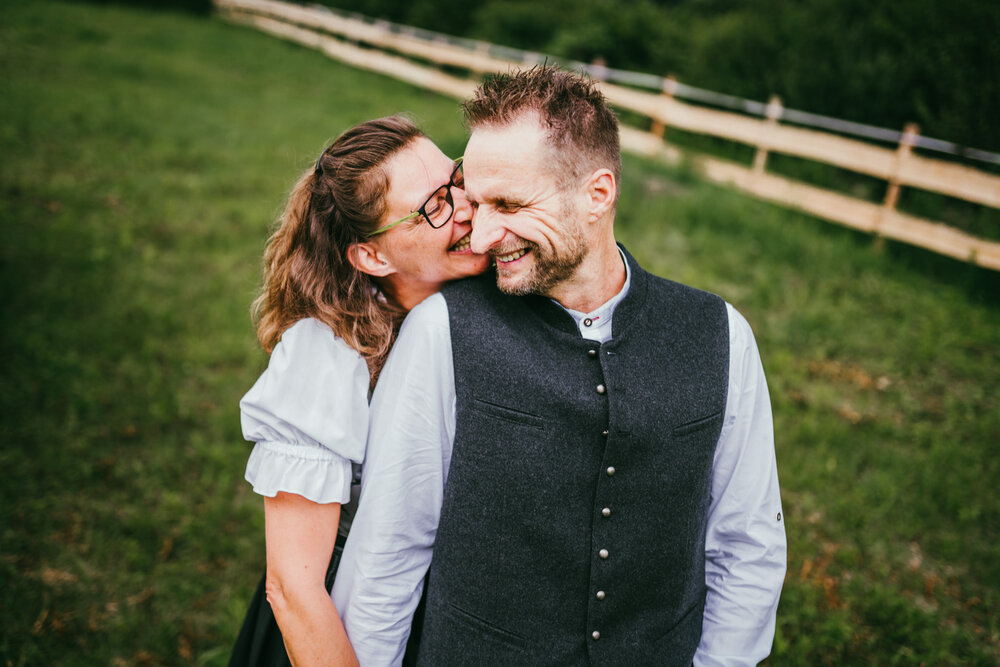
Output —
(423, 207)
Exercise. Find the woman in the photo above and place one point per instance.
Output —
(377, 226)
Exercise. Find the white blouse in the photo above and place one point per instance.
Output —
(308, 415)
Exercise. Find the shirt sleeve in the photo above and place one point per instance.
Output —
(307, 415)
(745, 542)
(410, 437)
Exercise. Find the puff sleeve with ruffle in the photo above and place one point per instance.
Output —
(308, 416)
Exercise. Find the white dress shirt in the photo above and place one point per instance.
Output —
(410, 439)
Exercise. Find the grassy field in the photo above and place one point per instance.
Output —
(144, 158)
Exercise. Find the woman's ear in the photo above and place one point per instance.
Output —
(367, 258)
(601, 192)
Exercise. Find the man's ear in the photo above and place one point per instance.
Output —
(367, 258)
(601, 192)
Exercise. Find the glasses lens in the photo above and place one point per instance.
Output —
(439, 207)
(458, 176)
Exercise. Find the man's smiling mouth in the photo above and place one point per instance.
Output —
(510, 257)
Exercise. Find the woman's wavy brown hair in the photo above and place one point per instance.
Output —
(331, 207)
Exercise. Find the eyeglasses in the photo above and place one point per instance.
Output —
(438, 208)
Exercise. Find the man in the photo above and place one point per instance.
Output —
(588, 449)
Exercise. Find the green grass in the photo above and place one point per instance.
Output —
(144, 158)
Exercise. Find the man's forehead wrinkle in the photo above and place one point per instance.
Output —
(498, 156)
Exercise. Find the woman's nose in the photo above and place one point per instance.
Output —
(463, 209)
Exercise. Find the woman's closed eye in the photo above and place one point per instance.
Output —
(437, 204)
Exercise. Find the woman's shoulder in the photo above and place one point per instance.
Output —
(307, 415)
(313, 395)
(312, 338)
(311, 330)
(311, 361)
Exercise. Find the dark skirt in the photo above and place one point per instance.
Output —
(260, 643)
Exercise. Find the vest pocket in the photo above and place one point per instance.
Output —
(697, 424)
(472, 625)
(682, 639)
(504, 413)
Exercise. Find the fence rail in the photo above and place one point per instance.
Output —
(338, 35)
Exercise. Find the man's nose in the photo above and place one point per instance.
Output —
(486, 232)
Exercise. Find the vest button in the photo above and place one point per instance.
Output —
(606, 512)
(604, 433)
(603, 553)
(596, 635)
(610, 471)
(601, 389)
(591, 353)
(600, 595)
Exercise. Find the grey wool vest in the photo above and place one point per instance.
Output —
(573, 525)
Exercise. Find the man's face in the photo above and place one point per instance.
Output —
(532, 228)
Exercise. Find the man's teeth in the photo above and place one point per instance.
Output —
(463, 243)
(517, 254)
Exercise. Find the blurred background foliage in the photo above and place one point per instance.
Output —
(871, 61)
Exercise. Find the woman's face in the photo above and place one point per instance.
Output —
(424, 258)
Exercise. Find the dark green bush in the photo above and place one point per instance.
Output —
(869, 61)
(192, 6)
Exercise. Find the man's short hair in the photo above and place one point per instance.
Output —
(582, 131)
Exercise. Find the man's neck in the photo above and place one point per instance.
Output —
(599, 278)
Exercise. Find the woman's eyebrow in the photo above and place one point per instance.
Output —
(430, 193)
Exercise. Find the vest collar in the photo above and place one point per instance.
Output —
(557, 317)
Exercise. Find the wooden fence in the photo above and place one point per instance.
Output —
(416, 59)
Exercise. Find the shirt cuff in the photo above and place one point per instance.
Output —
(314, 473)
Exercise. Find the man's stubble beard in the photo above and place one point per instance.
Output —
(550, 269)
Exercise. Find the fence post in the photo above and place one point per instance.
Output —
(598, 69)
(772, 113)
(906, 141)
(668, 89)
(905, 149)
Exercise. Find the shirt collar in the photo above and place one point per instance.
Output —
(596, 325)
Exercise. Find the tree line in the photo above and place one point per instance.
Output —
(879, 62)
